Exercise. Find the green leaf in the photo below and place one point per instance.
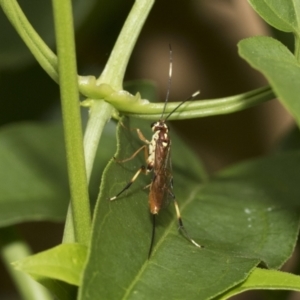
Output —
(33, 173)
(261, 279)
(103, 155)
(261, 198)
(33, 177)
(245, 215)
(283, 15)
(59, 289)
(278, 65)
(64, 262)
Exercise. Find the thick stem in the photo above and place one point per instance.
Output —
(100, 113)
(64, 30)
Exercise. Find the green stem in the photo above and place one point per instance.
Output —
(62, 10)
(36, 45)
(100, 113)
(202, 108)
(12, 248)
(113, 74)
(115, 68)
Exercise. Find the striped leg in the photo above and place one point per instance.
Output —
(180, 223)
(142, 169)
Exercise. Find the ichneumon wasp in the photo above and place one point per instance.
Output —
(158, 161)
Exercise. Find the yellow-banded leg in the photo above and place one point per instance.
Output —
(180, 223)
(142, 169)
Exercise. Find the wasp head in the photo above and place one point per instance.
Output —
(160, 126)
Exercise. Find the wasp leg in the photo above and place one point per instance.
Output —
(141, 136)
(142, 169)
(139, 132)
(147, 186)
(134, 154)
(180, 223)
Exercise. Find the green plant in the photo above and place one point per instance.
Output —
(255, 203)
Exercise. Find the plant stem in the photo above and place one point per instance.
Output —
(100, 114)
(36, 45)
(115, 68)
(202, 108)
(12, 248)
(113, 74)
(62, 10)
(100, 111)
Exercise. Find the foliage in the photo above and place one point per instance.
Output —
(246, 217)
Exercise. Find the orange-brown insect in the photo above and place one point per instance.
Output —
(158, 161)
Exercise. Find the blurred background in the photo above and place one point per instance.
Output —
(204, 36)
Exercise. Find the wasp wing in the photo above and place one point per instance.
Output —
(161, 186)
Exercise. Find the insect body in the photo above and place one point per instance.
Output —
(159, 156)
(158, 161)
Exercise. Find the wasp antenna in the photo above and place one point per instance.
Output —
(169, 80)
(152, 236)
(194, 95)
(187, 99)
